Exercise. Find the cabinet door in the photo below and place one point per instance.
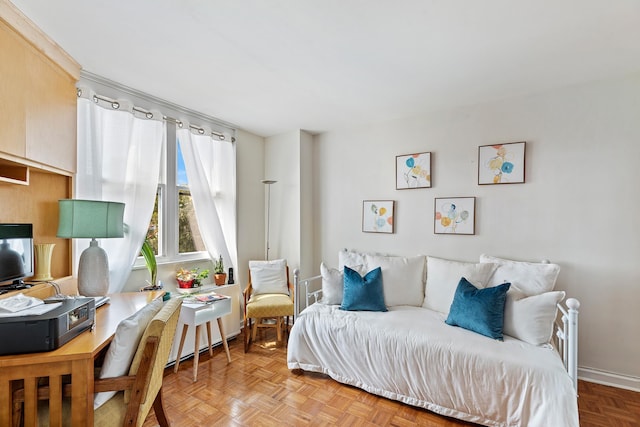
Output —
(13, 85)
(50, 114)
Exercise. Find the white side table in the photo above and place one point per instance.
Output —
(195, 314)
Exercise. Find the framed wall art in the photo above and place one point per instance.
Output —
(377, 216)
(455, 215)
(501, 163)
(413, 171)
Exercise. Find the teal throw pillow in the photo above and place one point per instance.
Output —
(363, 293)
(479, 310)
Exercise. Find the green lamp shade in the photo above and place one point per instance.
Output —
(90, 219)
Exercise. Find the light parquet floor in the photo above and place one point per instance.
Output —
(257, 389)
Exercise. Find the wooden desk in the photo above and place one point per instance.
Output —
(75, 358)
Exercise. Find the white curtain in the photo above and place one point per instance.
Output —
(211, 171)
(118, 160)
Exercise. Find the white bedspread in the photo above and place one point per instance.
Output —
(409, 354)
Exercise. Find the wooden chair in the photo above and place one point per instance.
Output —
(138, 391)
(259, 307)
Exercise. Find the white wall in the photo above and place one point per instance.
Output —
(577, 208)
(250, 169)
(282, 163)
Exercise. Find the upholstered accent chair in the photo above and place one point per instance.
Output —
(268, 299)
(136, 392)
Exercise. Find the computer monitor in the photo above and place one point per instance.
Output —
(16, 254)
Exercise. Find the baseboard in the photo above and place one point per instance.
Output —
(609, 378)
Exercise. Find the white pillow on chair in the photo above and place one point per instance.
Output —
(123, 347)
(269, 277)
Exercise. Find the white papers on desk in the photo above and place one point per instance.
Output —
(18, 303)
(31, 311)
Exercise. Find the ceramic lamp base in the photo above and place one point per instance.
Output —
(93, 271)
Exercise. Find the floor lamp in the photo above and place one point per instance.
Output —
(268, 183)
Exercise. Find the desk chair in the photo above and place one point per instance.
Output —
(137, 392)
(269, 295)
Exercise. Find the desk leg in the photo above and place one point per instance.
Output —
(82, 392)
(196, 354)
(209, 336)
(184, 335)
(224, 339)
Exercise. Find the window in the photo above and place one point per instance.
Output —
(189, 239)
(173, 213)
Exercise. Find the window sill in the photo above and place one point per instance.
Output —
(192, 257)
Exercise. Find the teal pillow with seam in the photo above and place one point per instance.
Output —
(479, 310)
(363, 293)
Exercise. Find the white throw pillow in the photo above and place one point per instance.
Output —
(123, 347)
(530, 278)
(530, 318)
(332, 285)
(269, 277)
(352, 259)
(403, 279)
(443, 276)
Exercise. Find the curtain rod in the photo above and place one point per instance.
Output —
(115, 104)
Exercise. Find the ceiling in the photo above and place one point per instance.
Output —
(273, 66)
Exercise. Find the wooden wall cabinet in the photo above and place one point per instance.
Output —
(37, 130)
(38, 96)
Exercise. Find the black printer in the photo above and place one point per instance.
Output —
(48, 331)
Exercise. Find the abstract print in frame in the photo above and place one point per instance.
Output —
(455, 215)
(377, 216)
(501, 163)
(413, 171)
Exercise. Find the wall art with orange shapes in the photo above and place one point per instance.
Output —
(455, 215)
(413, 171)
(377, 216)
(501, 163)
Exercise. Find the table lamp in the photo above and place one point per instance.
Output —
(92, 219)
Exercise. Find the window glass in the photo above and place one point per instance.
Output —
(189, 238)
(153, 233)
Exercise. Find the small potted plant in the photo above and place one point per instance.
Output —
(219, 276)
(198, 276)
(191, 278)
(184, 278)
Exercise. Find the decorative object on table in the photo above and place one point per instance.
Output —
(377, 216)
(43, 252)
(219, 276)
(191, 278)
(413, 171)
(93, 219)
(230, 281)
(150, 262)
(455, 215)
(501, 163)
(268, 183)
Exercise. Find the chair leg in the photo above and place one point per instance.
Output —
(279, 329)
(287, 327)
(254, 330)
(17, 414)
(247, 336)
(158, 408)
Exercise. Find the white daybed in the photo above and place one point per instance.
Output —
(410, 354)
